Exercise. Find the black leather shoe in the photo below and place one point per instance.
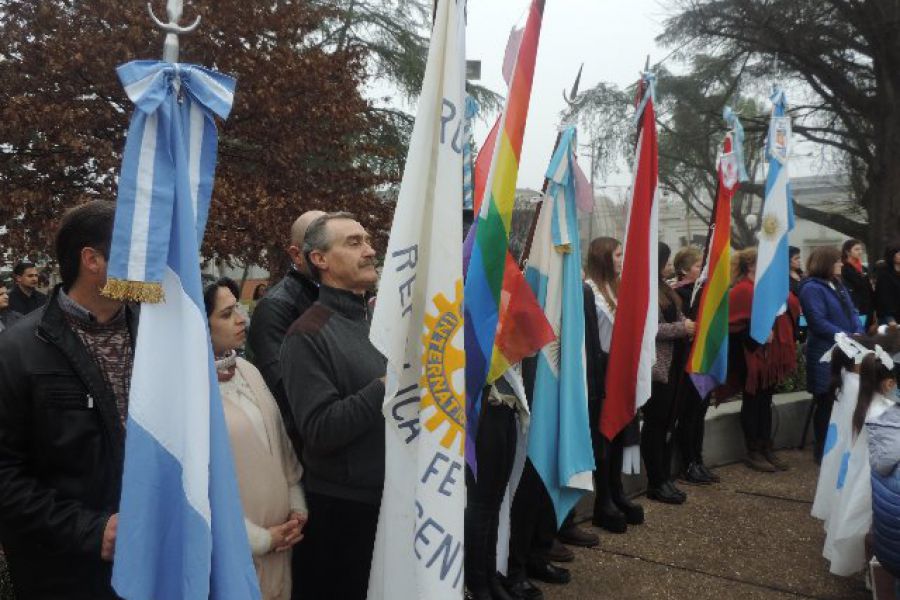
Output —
(478, 595)
(549, 573)
(709, 474)
(524, 590)
(665, 495)
(610, 518)
(695, 476)
(558, 553)
(634, 512)
(576, 536)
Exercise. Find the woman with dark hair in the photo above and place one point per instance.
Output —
(613, 510)
(689, 431)
(856, 277)
(755, 369)
(267, 469)
(887, 287)
(659, 412)
(795, 269)
(829, 310)
(258, 293)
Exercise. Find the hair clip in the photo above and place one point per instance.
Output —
(846, 344)
(884, 358)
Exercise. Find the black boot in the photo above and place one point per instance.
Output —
(606, 514)
(634, 512)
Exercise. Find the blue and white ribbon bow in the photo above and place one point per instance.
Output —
(170, 154)
(737, 147)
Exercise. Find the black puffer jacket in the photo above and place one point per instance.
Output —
(283, 304)
(61, 456)
(860, 289)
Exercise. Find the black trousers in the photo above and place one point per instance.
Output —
(821, 416)
(656, 444)
(334, 557)
(756, 417)
(691, 423)
(533, 523)
(495, 451)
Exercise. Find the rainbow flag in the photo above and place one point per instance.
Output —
(709, 351)
(493, 290)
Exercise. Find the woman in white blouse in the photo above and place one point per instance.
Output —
(267, 469)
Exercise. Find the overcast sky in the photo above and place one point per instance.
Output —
(611, 37)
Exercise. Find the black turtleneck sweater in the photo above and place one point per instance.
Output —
(332, 377)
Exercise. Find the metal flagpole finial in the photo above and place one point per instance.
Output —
(571, 97)
(174, 9)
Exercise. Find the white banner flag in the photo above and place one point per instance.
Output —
(418, 326)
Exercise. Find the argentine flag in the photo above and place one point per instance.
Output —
(770, 290)
(181, 530)
(559, 440)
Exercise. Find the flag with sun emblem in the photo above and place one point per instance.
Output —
(770, 289)
(559, 439)
(418, 326)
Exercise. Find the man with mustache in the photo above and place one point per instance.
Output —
(334, 381)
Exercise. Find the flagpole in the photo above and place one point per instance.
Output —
(174, 10)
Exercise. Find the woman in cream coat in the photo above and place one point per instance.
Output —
(267, 469)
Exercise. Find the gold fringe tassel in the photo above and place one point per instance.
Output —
(134, 291)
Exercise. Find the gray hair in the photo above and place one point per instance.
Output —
(318, 239)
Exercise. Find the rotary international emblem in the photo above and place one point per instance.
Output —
(443, 404)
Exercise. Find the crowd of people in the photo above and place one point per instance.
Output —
(302, 389)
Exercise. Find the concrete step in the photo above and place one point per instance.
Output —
(723, 442)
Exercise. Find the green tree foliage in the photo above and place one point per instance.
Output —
(847, 53)
(299, 137)
(691, 130)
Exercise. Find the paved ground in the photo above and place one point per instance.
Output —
(749, 537)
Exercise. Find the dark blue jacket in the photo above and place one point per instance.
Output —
(828, 310)
(884, 457)
(886, 520)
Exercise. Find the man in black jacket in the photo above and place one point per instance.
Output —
(334, 379)
(24, 297)
(64, 381)
(283, 304)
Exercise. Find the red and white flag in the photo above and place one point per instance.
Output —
(633, 347)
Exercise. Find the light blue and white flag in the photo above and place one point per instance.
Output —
(418, 326)
(181, 531)
(770, 290)
(559, 440)
(468, 160)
